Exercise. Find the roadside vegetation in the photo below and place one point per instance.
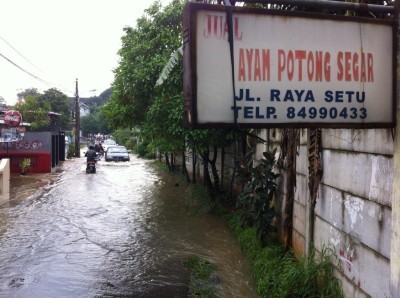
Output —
(280, 274)
(201, 277)
(36, 106)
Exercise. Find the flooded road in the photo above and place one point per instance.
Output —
(125, 231)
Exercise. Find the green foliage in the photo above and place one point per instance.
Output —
(279, 274)
(25, 165)
(59, 103)
(145, 50)
(34, 112)
(127, 137)
(94, 123)
(312, 276)
(71, 150)
(36, 106)
(201, 277)
(151, 51)
(28, 92)
(167, 137)
(143, 150)
(160, 166)
(256, 199)
(173, 61)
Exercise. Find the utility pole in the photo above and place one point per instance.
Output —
(77, 122)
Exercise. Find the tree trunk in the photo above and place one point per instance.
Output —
(207, 178)
(214, 170)
(172, 162)
(167, 162)
(184, 169)
(290, 185)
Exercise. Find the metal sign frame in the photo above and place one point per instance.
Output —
(191, 68)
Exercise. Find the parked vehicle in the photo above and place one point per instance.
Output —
(107, 143)
(117, 153)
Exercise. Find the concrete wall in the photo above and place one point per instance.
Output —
(353, 211)
(32, 142)
(353, 214)
(4, 180)
(42, 148)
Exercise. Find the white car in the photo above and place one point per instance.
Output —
(107, 143)
(117, 153)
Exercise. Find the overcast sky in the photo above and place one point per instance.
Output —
(61, 40)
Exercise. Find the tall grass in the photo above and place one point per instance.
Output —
(280, 274)
(201, 277)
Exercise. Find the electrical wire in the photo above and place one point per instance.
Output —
(26, 59)
(27, 72)
(32, 75)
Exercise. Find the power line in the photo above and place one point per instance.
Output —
(45, 82)
(20, 68)
(31, 74)
(26, 59)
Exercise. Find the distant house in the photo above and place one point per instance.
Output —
(83, 109)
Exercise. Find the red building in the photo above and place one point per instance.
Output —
(45, 149)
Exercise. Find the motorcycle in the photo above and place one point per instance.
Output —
(91, 167)
(97, 157)
(91, 164)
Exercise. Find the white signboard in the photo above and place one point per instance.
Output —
(291, 71)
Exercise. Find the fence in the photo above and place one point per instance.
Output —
(40, 161)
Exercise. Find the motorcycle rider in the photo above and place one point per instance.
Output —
(99, 149)
(90, 156)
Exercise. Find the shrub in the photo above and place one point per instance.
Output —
(280, 274)
(255, 202)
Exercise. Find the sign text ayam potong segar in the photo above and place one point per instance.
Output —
(285, 72)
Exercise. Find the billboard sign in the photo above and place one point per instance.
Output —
(290, 69)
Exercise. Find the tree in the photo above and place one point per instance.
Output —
(151, 55)
(36, 106)
(94, 123)
(59, 103)
(145, 50)
(27, 92)
(34, 111)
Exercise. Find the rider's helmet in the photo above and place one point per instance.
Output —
(91, 147)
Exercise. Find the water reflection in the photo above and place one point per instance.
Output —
(121, 232)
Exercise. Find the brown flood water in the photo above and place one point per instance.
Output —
(125, 231)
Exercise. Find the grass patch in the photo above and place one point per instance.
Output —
(280, 274)
(160, 166)
(201, 277)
